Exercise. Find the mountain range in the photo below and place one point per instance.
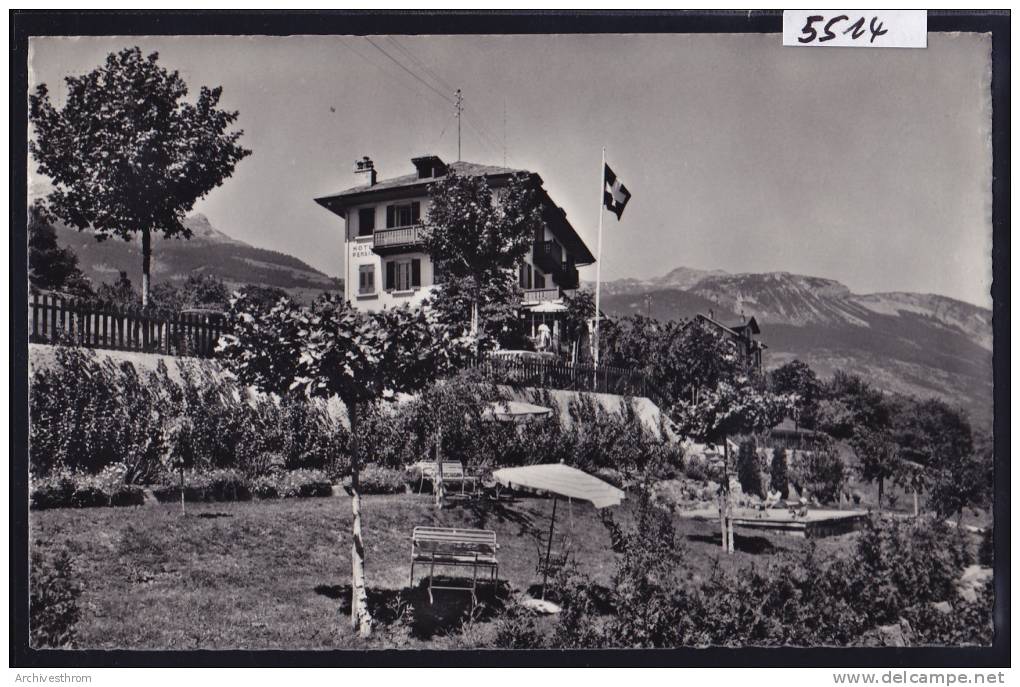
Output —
(910, 343)
(208, 251)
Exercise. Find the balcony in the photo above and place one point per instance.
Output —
(397, 240)
(548, 256)
(536, 296)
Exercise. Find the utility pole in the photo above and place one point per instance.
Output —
(460, 107)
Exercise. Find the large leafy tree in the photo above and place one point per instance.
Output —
(937, 445)
(795, 377)
(51, 267)
(332, 350)
(477, 235)
(127, 154)
(878, 456)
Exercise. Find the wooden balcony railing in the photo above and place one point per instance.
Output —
(396, 239)
(532, 296)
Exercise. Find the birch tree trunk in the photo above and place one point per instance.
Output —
(881, 490)
(361, 620)
(146, 263)
(439, 484)
(724, 500)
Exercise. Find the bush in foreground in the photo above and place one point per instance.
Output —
(53, 600)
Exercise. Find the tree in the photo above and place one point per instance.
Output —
(51, 267)
(879, 457)
(853, 403)
(734, 406)
(580, 310)
(500, 307)
(795, 377)
(822, 471)
(121, 292)
(937, 443)
(476, 236)
(779, 473)
(198, 291)
(332, 350)
(748, 472)
(127, 155)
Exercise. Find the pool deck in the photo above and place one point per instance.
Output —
(816, 523)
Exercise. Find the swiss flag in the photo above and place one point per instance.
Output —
(615, 194)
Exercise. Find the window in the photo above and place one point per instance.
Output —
(366, 221)
(403, 215)
(539, 280)
(403, 275)
(366, 279)
(525, 276)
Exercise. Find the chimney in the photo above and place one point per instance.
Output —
(364, 169)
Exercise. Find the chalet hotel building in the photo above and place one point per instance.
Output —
(386, 262)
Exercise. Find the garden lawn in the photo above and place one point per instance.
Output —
(276, 574)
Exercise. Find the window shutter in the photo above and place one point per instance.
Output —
(415, 272)
(391, 216)
(391, 274)
(415, 212)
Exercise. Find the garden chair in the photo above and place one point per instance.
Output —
(558, 555)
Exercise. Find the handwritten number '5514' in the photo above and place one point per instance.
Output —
(856, 30)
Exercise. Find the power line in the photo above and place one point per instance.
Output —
(420, 63)
(413, 75)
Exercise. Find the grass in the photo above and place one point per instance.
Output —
(276, 574)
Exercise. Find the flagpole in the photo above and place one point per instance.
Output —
(598, 266)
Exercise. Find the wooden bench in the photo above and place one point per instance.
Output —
(455, 547)
(453, 471)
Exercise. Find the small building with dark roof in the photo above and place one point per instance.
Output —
(742, 334)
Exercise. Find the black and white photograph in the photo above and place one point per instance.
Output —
(441, 340)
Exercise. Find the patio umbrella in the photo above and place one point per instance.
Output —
(560, 480)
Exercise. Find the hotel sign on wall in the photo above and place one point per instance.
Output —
(362, 250)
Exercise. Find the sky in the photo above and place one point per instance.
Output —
(868, 166)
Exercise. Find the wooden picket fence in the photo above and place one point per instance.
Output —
(59, 319)
(549, 374)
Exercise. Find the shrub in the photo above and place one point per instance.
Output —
(696, 469)
(778, 473)
(127, 495)
(228, 485)
(53, 600)
(896, 570)
(196, 488)
(54, 491)
(516, 629)
(822, 472)
(375, 479)
(89, 496)
(304, 483)
(265, 487)
(747, 470)
(88, 412)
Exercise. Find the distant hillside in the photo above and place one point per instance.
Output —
(918, 344)
(208, 251)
